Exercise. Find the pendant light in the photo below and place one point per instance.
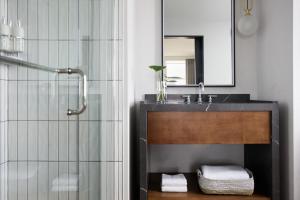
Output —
(247, 24)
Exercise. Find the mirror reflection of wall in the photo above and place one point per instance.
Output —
(185, 21)
(183, 57)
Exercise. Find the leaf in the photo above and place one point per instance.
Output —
(174, 77)
(157, 68)
(171, 81)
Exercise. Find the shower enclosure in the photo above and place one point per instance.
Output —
(54, 143)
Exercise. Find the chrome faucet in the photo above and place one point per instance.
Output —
(201, 89)
(210, 98)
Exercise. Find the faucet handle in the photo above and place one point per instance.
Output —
(210, 97)
(201, 86)
(187, 98)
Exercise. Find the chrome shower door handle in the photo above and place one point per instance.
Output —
(83, 87)
(82, 90)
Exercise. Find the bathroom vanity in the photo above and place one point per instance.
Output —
(229, 119)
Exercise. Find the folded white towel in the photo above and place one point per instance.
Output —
(64, 188)
(173, 180)
(174, 188)
(226, 172)
(66, 180)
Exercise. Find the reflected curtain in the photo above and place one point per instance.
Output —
(190, 71)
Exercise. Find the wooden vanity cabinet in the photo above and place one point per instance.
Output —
(208, 127)
(255, 125)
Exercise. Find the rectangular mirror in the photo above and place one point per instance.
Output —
(198, 42)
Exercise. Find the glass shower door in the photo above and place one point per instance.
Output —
(50, 155)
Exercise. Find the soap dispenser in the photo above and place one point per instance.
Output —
(10, 48)
(18, 37)
(5, 33)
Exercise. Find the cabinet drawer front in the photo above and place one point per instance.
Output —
(209, 127)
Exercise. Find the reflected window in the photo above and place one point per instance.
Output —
(183, 57)
(176, 71)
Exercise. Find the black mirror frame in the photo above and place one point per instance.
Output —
(232, 49)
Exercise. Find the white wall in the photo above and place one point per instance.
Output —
(129, 75)
(146, 48)
(275, 76)
(296, 92)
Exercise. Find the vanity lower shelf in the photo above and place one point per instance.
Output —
(155, 195)
(193, 193)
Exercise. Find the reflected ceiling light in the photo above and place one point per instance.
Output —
(247, 24)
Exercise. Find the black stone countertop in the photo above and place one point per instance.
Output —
(218, 99)
(223, 102)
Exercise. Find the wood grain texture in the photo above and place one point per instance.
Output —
(194, 193)
(209, 127)
(155, 195)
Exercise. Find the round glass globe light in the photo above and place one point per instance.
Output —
(247, 25)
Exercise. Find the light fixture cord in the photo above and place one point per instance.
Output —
(247, 4)
(248, 7)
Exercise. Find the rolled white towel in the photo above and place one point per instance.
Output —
(173, 180)
(226, 172)
(174, 188)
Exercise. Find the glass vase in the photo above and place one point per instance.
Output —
(161, 95)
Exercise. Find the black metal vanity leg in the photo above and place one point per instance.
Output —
(275, 154)
(143, 151)
(263, 160)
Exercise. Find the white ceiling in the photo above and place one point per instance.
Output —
(179, 47)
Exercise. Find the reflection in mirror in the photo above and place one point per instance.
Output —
(198, 42)
(183, 57)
